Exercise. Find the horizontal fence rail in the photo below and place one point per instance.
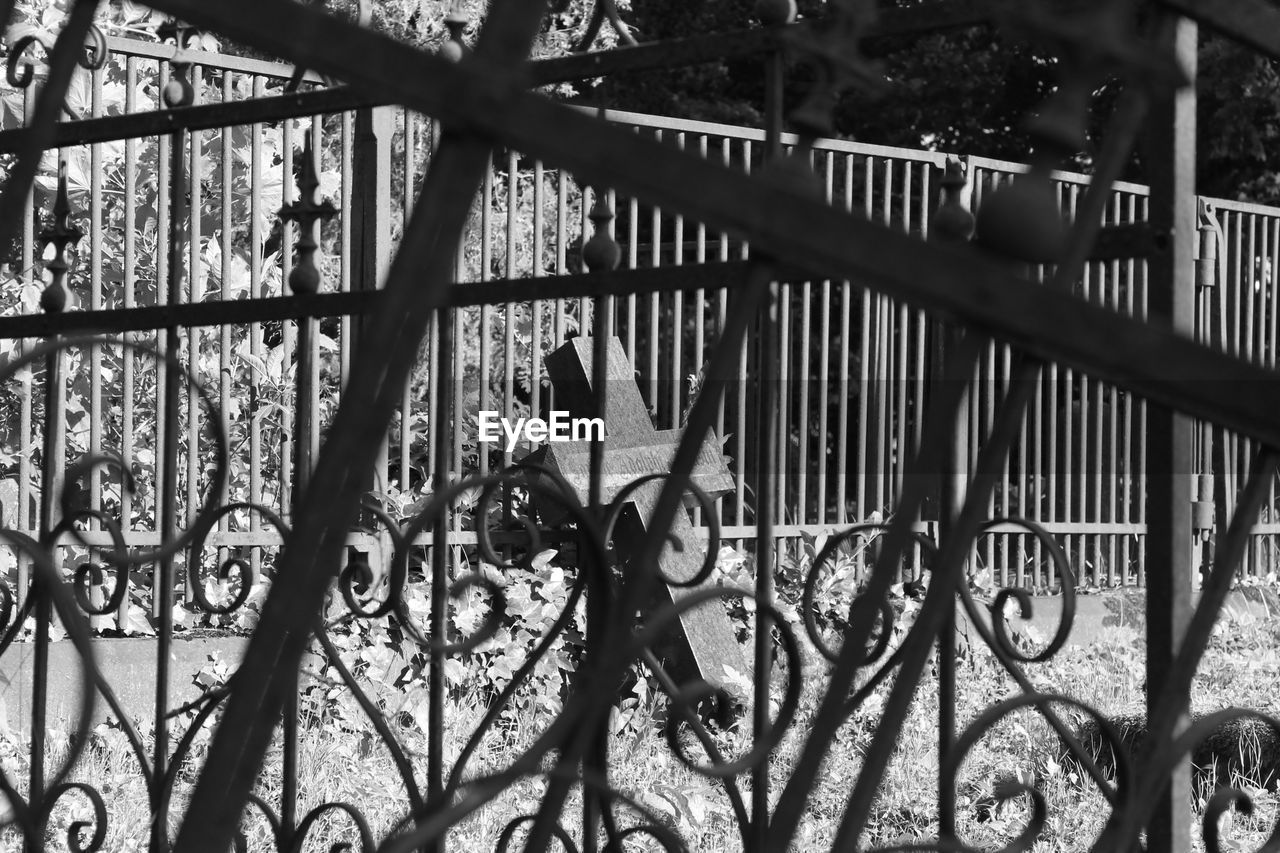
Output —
(855, 371)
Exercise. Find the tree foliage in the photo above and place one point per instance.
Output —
(964, 91)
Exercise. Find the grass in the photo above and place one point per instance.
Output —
(337, 763)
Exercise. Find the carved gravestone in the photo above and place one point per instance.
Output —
(706, 646)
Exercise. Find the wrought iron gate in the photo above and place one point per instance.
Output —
(480, 99)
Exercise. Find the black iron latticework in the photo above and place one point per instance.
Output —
(480, 99)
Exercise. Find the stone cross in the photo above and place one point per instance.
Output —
(706, 647)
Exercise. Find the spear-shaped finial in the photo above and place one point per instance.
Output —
(59, 233)
(308, 211)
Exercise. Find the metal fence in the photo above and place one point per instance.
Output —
(197, 421)
(854, 367)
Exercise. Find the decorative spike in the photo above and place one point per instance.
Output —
(601, 253)
(308, 211)
(59, 233)
(953, 222)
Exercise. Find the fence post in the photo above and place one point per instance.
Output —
(371, 222)
(952, 223)
(1171, 300)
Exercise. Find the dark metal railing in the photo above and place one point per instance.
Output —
(1077, 468)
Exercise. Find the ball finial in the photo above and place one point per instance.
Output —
(776, 13)
(1023, 220)
(601, 253)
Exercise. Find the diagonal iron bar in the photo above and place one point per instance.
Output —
(959, 283)
(331, 506)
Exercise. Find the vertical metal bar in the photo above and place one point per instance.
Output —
(562, 237)
(1272, 286)
(256, 260)
(655, 302)
(721, 315)
(843, 436)
(882, 343)
(370, 213)
(1172, 302)
(129, 271)
(633, 261)
(1033, 507)
(783, 400)
(872, 387)
(407, 199)
(509, 312)
(677, 317)
(1248, 262)
(1229, 325)
(1249, 282)
(740, 421)
(766, 466)
(699, 309)
(439, 561)
(981, 416)
(919, 378)
(288, 334)
(1140, 489)
(1053, 444)
(95, 299)
(459, 368)
(900, 379)
(1005, 542)
(167, 499)
(951, 492)
(346, 242)
(226, 370)
(25, 389)
(823, 392)
(1113, 469)
(163, 257)
(1237, 280)
(194, 335)
(535, 308)
(1133, 449)
(486, 313)
(52, 462)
